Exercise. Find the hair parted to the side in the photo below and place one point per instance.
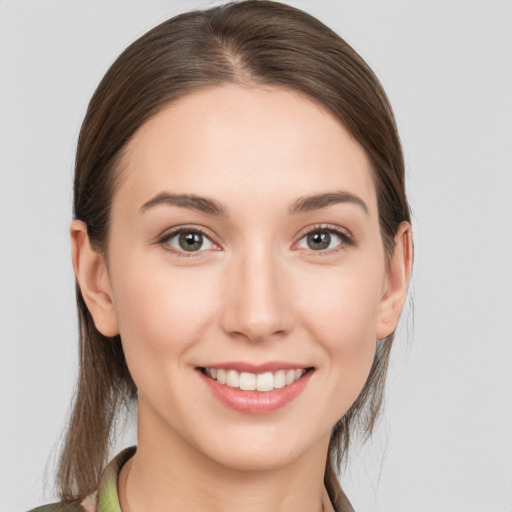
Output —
(252, 42)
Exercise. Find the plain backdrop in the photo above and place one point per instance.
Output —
(445, 441)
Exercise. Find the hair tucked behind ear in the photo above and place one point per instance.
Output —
(254, 42)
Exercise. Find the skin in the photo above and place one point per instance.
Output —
(256, 291)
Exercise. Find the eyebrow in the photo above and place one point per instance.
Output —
(318, 201)
(191, 201)
(212, 207)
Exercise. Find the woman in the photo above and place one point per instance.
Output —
(242, 250)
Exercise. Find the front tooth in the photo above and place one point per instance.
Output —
(247, 381)
(290, 377)
(221, 376)
(232, 379)
(265, 382)
(280, 379)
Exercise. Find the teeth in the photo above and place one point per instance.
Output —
(247, 381)
(290, 377)
(265, 382)
(279, 379)
(221, 376)
(232, 379)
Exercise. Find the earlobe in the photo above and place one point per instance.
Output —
(93, 279)
(396, 282)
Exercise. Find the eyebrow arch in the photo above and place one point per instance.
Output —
(318, 201)
(191, 201)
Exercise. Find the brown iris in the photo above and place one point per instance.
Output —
(319, 240)
(190, 241)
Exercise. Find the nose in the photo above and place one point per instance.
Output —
(258, 299)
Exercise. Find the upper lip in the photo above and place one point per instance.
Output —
(271, 366)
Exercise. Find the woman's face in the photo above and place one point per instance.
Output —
(245, 243)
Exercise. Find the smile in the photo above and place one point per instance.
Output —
(262, 390)
(263, 382)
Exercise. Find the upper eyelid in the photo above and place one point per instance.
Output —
(163, 239)
(324, 227)
(170, 232)
(347, 238)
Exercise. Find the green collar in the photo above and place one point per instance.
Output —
(108, 499)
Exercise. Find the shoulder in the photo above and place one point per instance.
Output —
(105, 498)
(60, 507)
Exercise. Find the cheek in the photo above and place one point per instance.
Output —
(343, 308)
(342, 316)
(161, 311)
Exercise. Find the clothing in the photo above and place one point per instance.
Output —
(106, 499)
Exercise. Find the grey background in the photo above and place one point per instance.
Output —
(445, 442)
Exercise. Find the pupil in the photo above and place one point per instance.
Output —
(191, 241)
(319, 240)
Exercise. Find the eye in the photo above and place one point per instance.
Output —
(187, 240)
(323, 240)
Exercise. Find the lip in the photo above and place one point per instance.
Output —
(271, 366)
(256, 402)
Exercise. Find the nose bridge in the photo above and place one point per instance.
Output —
(257, 306)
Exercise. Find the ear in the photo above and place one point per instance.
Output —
(92, 275)
(396, 282)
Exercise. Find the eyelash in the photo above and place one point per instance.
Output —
(346, 239)
(164, 240)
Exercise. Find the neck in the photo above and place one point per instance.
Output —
(168, 474)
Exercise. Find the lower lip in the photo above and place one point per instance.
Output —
(257, 402)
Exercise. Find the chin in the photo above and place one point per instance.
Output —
(263, 452)
(256, 459)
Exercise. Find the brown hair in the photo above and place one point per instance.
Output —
(254, 42)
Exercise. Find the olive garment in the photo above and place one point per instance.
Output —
(106, 498)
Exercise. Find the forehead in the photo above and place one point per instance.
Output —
(272, 142)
